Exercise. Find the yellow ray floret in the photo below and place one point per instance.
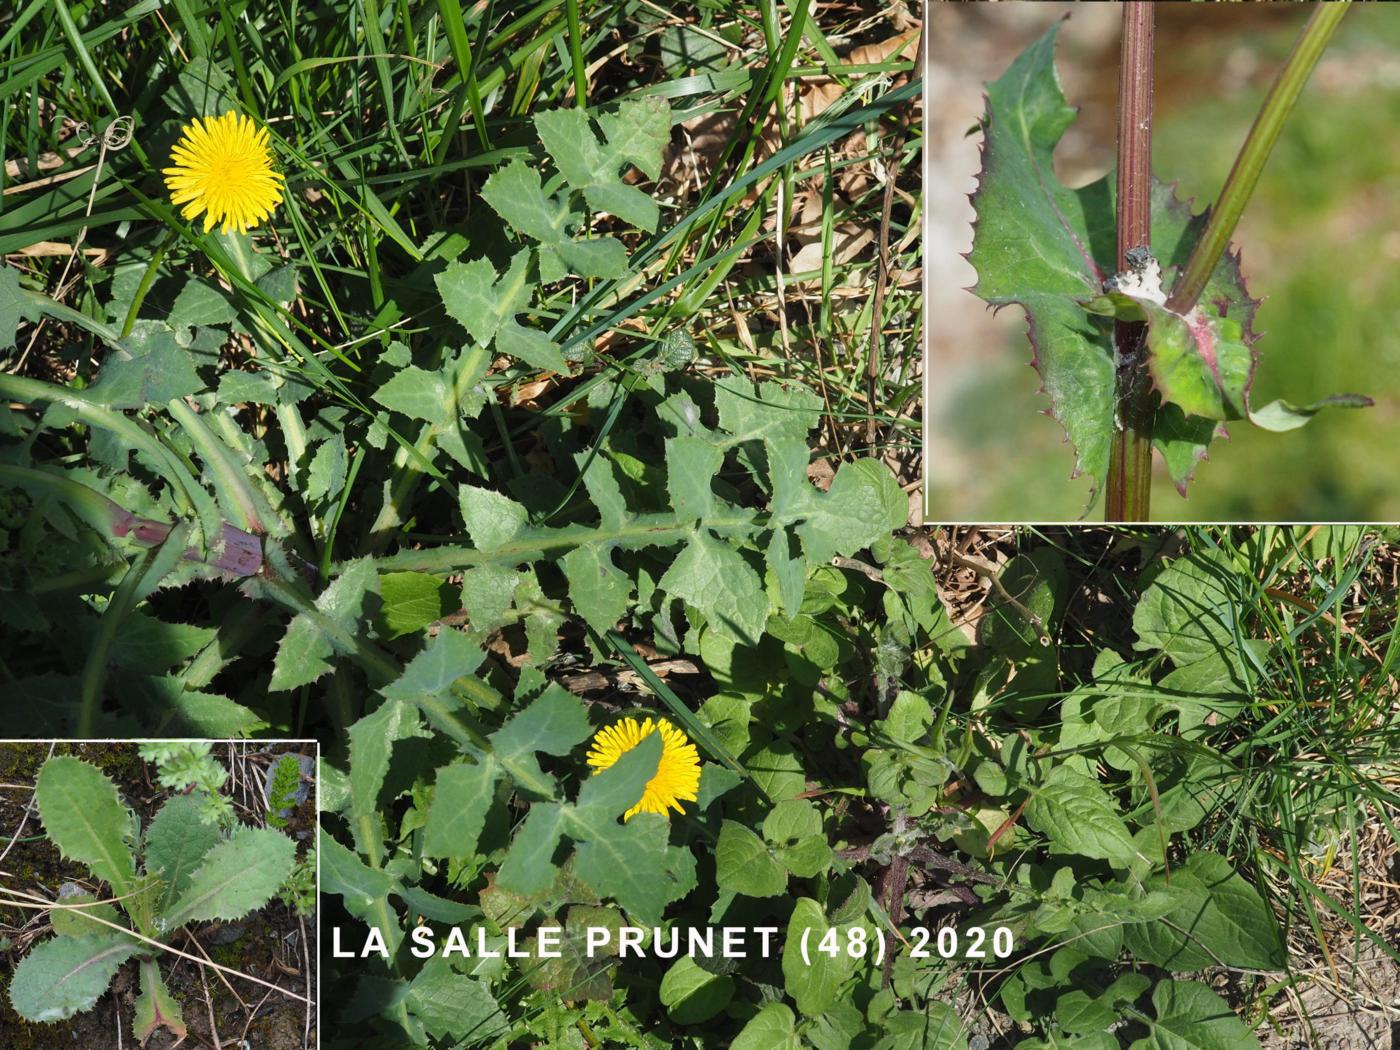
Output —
(677, 776)
(222, 167)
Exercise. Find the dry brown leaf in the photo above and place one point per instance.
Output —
(916, 507)
(704, 137)
(906, 44)
(820, 473)
(44, 249)
(742, 332)
(509, 644)
(16, 169)
(618, 335)
(686, 166)
(817, 94)
(848, 241)
(529, 391)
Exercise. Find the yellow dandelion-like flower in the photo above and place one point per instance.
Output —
(677, 776)
(223, 168)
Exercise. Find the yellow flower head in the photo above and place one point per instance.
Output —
(677, 777)
(223, 168)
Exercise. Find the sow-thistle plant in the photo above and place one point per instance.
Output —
(1153, 345)
(178, 870)
(222, 168)
(677, 776)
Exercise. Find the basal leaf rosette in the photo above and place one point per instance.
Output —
(1049, 248)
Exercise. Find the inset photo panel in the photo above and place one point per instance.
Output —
(1184, 219)
(158, 894)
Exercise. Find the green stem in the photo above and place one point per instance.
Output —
(576, 54)
(409, 460)
(268, 495)
(382, 668)
(80, 580)
(658, 530)
(155, 563)
(147, 279)
(1225, 214)
(342, 708)
(241, 502)
(105, 515)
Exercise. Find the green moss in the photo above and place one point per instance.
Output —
(236, 953)
(118, 761)
(21, 762)
(282, 1028)
(227, 954)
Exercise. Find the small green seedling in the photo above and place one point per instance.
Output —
(281, 793)
(180, 870)
(188, 766)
